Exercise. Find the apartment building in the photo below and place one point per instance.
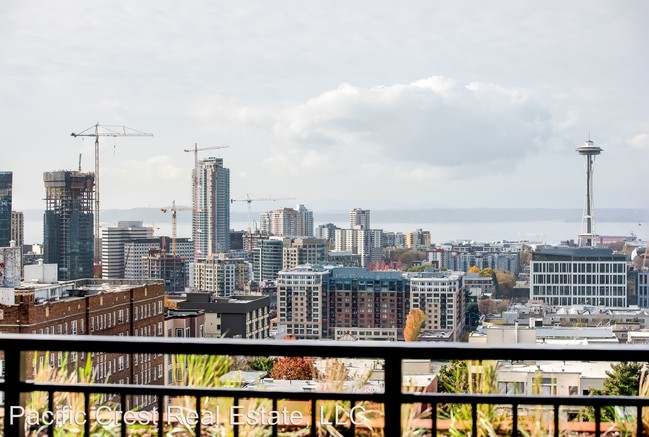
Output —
(301, 301)
(441, 296)
(221, 274)
(303, 251)
(315, 302)
(92, 307)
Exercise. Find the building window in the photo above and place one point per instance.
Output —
(179, 332)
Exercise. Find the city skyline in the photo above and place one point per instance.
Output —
(434, 105)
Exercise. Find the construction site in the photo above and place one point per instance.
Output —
(68, 223)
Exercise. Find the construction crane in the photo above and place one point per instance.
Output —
(174, 209)
(196, 149)
(104, 131)
(249, 200)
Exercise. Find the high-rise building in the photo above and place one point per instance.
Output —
(211, 217)
(301, 301)
(221, 274)
(170, 269)
(305, 221)
(360, 241)
(18, 234)
(112, 246)
(287, 222)
(267, 259)
(18, 228)
(314, 302)
(326, 231)
(304, 251)
(440, 295)
(417, 239)
(359, 217)
(6, 178)
(68, 238)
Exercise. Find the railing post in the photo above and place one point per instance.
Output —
(392, 395)
(15, 373)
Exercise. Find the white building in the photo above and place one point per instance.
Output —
(300, 301)
(221, 274)
(288, 222)
(360, 241)
(578, 276)
(134, 251)
(305, 221)
(359, 217)
(441, 296)
(112, 246)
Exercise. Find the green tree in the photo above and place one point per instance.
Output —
(453, 377)
(419, 268)
(262, 364)
(622, 380)
(471, 315)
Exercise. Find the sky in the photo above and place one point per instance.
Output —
(335, 104)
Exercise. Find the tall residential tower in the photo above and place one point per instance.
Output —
(211, 217)
(6, 178)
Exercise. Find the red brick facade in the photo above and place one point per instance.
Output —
(90, 308)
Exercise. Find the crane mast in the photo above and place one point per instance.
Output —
(104, 131)
(173, 209)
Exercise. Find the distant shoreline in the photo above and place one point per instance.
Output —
(445, 224)
(428, 215)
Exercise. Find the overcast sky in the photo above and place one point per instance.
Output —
(339, 104)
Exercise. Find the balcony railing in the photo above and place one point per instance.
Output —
(16, 386)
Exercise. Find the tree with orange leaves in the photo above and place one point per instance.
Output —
(414, 323)
(293, 368)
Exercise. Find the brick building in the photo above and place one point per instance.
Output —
(92, 307)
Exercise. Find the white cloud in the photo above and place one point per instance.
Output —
(435, 121)
(640, 142)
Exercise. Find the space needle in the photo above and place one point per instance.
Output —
(589, 151)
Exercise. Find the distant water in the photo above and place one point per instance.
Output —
(551, 231)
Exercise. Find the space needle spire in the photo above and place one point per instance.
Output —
(587, 237)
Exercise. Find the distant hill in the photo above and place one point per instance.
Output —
(433, 215)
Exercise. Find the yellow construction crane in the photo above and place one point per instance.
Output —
(104, 131)
(196, 149)
(248, 200)
(174, 209)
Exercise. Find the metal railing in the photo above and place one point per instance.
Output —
(393, 397)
